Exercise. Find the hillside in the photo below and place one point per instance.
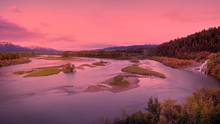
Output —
(206, 40)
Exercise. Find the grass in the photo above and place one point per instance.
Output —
(22, 72)
(119, 81)
(135, 69)
(44, 72)
(100, 63)
(173, 62)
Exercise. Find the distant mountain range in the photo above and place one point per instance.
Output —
(132, 47)
(9, 47)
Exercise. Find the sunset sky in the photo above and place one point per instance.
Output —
(89, 24)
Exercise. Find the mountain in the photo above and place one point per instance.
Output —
(5, 47)
(132, 47)
(9, 47)
(206, 40)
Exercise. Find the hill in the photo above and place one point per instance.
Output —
(206, 40)
(9, 47)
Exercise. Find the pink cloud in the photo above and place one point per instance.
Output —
(12, 31)
(15, 9)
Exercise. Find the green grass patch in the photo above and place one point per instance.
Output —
(44, 72)
(119, 81)
(135, 69)
(22, 72)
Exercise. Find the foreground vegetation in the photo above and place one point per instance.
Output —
(203, 107)
(135, 69)
(173, 62)
(213, 66)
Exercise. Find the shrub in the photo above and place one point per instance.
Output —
(203, 107)
(213, 66)
(154, 109)
(68, 68)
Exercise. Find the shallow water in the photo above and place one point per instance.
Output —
(61, 98)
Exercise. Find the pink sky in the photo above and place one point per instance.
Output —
(89, 24)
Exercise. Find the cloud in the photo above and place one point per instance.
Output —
(12, 31)
(97, 45)
(15, 9)
(61, 39)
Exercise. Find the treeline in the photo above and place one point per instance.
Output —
(12, 58)
(206, 40)
(14, 55)
(117, 54)
(196, 46)
(201, 108)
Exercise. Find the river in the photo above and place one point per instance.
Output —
(61, 98)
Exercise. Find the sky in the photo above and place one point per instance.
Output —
(91, 24)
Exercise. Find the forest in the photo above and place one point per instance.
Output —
(12, 58)
(187, 47)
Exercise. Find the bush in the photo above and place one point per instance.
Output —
(154, 109)
(68, 68)
(203, 107)
(213, 66)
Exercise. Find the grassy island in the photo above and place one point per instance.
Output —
(119, 81)
(135, 69)
(44, 72)
(47, 71)
(100, 63)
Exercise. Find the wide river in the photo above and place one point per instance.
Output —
(61, 98)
